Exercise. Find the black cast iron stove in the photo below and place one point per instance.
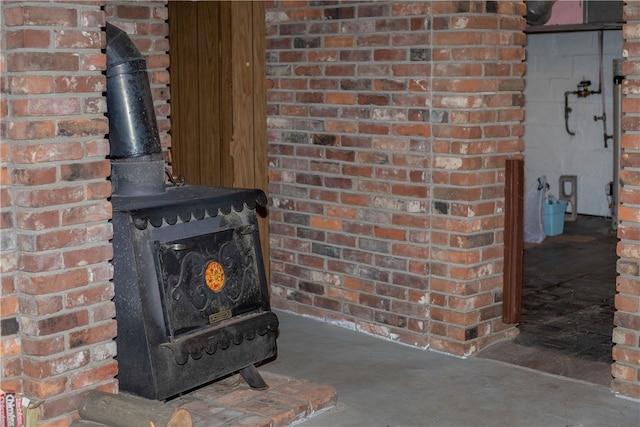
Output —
(191, 295)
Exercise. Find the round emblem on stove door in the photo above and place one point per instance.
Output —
(214, 276)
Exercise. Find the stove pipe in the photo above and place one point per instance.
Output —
(137, 166)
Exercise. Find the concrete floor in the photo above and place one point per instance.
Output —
(381, 383)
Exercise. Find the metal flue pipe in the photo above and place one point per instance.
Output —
(137, 166)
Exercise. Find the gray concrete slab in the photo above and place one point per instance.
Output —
(381, 383)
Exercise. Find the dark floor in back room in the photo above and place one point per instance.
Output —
(568, 291)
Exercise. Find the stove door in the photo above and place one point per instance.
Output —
(209, 278)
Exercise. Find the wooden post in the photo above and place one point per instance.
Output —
(513, 241)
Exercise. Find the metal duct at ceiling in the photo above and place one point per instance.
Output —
(539, 12)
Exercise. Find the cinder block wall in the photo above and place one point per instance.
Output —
(389, 125)
(557, 62)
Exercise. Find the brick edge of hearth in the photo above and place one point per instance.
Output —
(232, 402)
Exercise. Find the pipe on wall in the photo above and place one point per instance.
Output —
(603, 117)
(618, 78)
(583, 91)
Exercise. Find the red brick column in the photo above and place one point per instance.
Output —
(56, 308)
(10, 345)
(477, 109)
(626, 334)
(57, 317)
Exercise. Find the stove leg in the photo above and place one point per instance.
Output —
(253, 378)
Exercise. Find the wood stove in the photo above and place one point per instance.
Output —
(191, 296)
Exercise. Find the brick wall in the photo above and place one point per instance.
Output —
(57, 317)
(389, 124)
(626, 334)
(56, 313)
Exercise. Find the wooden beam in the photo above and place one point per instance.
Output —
(513, 241)
(184, 118)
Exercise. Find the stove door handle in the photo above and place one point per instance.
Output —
(175, 246)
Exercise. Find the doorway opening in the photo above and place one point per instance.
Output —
(568, 295)
(569, 279)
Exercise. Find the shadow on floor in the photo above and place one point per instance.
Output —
(568, 295)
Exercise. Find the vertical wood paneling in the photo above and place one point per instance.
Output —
(183, 33)
(242, 70)
(208, 97)
(259, 97)
(218, 96)
(260, 119)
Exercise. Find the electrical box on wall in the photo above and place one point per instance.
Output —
(573, 15)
